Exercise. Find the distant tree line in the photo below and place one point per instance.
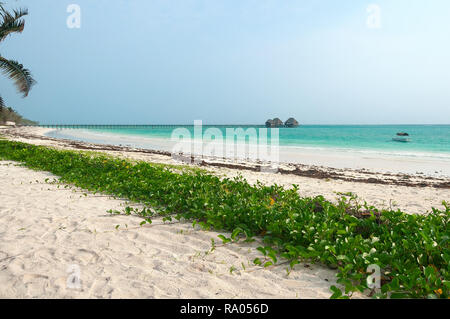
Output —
(8, 114)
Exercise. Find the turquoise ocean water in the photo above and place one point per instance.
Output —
(434, 139)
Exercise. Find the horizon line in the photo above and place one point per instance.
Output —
(236, 124)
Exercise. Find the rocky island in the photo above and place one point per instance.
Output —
(276, 122)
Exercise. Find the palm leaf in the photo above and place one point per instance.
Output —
(15, 71)
(11, 22)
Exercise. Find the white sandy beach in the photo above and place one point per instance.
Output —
(197, 150)
(45, 230)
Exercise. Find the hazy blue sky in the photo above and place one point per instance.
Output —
(234, 61)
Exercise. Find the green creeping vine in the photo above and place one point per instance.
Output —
(412, 251)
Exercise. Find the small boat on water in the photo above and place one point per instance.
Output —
(401, 137)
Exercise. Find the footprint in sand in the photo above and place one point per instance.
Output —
(86, 257)
(29, 278)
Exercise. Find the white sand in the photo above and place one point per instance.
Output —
(44, 230)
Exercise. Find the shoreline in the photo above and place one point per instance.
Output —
(414, 193)
(37, 135)
(432, 164)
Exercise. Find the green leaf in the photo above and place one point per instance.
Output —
(272, 256)
(235, 233)
(257, 261)
(337, 293)
(262, 250)
(224, 239)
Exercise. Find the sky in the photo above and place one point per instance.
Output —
(234, 61)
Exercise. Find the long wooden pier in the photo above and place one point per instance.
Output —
(136, 126)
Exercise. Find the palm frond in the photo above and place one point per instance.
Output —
(15, 71)
(11, 22)
(20, 13)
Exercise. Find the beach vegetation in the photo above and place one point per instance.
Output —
(412, 251)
